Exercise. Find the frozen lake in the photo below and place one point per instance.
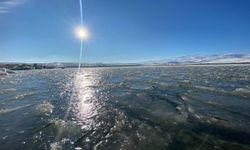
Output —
(182, 107)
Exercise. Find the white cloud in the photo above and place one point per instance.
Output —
(7, 5)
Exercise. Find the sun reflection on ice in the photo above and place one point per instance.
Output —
(85, 101)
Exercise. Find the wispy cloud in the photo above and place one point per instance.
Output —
(7, 5)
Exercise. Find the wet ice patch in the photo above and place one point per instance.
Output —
(67, 127)
(206, 88)
(4, 111)
(24, 95)
(243, 92)
(7, 90)
(140, 86)
(165, 111)
(44, 108)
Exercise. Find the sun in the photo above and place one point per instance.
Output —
(82, 33)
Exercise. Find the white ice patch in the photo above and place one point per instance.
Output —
(55, 146)
(44, 108)
(243, 91)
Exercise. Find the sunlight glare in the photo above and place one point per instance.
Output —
(82, 33)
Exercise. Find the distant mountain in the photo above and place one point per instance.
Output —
(206, 59)
(53, 65)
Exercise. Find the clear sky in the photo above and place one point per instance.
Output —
(122, 30)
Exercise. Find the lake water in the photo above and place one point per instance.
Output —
(188, 107)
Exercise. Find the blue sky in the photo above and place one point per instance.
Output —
(122, 30)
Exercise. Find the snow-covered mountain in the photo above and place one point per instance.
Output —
(199, 59)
